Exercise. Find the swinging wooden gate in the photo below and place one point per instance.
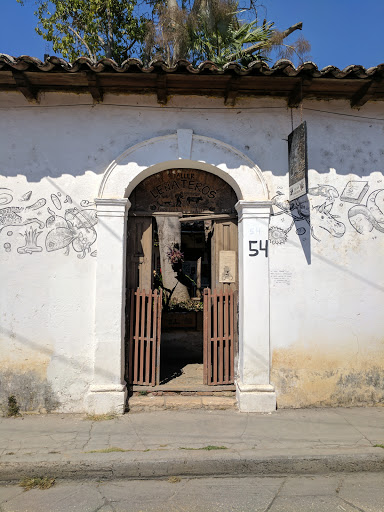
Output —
(219, 337)
(145, 331)
(144, 337)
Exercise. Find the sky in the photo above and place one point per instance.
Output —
(341, 32)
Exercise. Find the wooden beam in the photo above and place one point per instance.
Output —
(363, 94)
(231, 91)
(94, 87)
(24, 85)
(298, 92)
(209, 216)
(161, 89)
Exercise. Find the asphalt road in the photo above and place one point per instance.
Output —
(321, 493)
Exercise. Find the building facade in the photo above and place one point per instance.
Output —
(78, 140)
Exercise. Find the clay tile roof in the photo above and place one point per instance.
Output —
(31, 76)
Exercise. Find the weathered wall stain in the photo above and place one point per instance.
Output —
(32, 392)
(320, 378)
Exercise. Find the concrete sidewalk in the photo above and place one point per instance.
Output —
(188, 443)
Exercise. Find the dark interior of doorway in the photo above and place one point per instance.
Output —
(181, 353)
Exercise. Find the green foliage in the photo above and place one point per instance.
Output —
(96, 28)
(227, 39)
(195, 30)
(13, 407)
(186, 305)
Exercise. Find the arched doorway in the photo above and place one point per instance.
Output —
(182, 241)
(182, 150)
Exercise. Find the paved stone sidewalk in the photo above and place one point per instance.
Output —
(158, 444)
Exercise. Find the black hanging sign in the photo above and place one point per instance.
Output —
(298, 162)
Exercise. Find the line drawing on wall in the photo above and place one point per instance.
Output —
(31, 235)
(76, 228)
(5, 197)
(36, 206)
(26, 196)
(299, 210)
(365, 218)
(73, 227)
(84, 203)
(11, 216)
(327, 191)
(354, 191)
(56, 201)
(329, 221)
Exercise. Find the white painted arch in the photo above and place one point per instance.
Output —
(184, 150)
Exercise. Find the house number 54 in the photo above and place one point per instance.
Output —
(256, 246)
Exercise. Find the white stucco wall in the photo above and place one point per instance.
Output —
(326, 288)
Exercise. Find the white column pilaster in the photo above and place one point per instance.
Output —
(108, 391)
(253, 388)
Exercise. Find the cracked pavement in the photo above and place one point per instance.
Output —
(322, 493)
(162, 443)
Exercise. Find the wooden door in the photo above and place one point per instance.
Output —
(224, 247)
(144, 337)
(139, 252)
(219, 337)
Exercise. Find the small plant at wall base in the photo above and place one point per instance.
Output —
(13, 407)
(33, 483)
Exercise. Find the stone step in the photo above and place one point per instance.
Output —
(180, 402)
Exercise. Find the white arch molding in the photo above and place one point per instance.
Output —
(182, 150)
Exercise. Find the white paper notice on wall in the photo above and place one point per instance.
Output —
(227, 266)
(281, 278)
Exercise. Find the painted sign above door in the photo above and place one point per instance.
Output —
(186, 190)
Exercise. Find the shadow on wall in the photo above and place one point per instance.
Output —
(32, 393)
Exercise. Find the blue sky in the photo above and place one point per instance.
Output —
(341, 32)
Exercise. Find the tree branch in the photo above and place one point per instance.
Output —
(130, 46)
(257, 46)
(92, 56)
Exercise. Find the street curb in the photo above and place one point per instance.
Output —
(193, 467)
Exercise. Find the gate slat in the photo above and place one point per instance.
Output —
(205, 337)
(142, 320)
(232, 337)
(153, 337)
(215, 337)
(226, 338)
(144, 337)
(218, 337)
(136, 339)
(220, 341)
(209, 336)
(148, 341)
(131, 322)
(158, 326)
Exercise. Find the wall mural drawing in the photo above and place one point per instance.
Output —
(354, 191)
(26, 196)
(36, 206)
(31, 235)
(11, 216)
(63, 228)
(76, 228)
(5, 197)
(363, 218)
